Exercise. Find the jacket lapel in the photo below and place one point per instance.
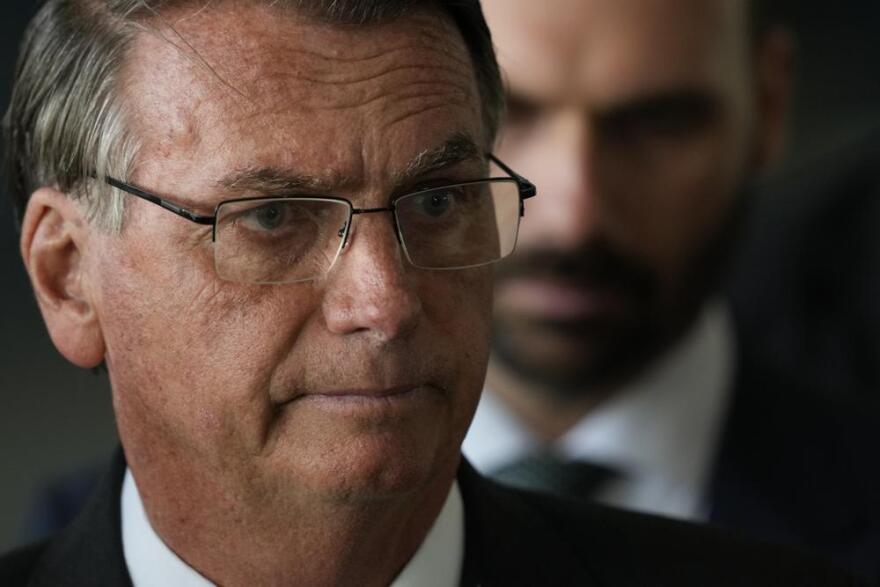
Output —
(89, 551)
(508, 541)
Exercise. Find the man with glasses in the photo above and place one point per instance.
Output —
(618, 373)
(272, 222)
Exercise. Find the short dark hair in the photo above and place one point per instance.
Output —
(65, 124)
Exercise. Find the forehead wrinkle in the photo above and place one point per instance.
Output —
(421, 107)
(329, 65)
(429, 28)
(362, 77)
(363, 85)
(265, 65)
(428, 75)
(405, 46)
(255, 57)
(417, 93)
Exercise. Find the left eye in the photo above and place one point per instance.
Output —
(269, 217)
(436, 204)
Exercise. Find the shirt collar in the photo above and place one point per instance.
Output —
(661, 429)
(151, 563)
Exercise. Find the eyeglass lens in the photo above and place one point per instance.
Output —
(276, 240)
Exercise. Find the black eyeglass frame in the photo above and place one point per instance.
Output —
(526, 190)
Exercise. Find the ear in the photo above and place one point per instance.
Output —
(53, 239)
(775, 79)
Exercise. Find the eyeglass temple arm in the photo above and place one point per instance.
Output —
(170, 206)
(526, 188)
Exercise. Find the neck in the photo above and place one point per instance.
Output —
(548, 413)
(275, 538)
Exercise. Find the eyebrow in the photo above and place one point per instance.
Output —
(460, 147)
(697, 104)
(275, 180)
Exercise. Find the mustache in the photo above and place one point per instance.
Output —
(595, 264)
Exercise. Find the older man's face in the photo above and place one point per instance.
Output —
(637, 120)
(358, 384)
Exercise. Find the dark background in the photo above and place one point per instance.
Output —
(55, 418)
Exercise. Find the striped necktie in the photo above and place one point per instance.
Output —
(547, 473)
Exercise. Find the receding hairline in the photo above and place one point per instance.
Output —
(88, 40)
(460, 145)
(167, 30)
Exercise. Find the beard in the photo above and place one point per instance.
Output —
(601, 350)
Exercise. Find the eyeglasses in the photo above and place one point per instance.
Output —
(298, 238)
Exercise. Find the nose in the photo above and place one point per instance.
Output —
(371, 289)
(560, 161)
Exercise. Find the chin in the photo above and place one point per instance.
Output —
(366, 448)
(367, 465)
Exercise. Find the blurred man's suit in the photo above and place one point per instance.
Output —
(806, 299)
(807, 285)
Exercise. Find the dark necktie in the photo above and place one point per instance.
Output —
(547, 473)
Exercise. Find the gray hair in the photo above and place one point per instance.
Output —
(66, 125)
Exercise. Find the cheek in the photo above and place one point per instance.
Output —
(460, 311)
(459, 303)
(458, 307)
(188, 350)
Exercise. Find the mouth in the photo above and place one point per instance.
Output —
(372, 397)
(377, 393)
(560, 300)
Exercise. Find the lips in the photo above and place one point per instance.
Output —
(559, 300)
(366, 393)
(354, 395)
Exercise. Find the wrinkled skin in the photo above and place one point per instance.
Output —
(250, 414)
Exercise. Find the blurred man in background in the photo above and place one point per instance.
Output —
(617, 372)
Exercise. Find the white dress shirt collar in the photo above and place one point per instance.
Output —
(660, 431)
(151, 563)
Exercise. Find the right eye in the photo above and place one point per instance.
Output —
(267, 217)
(436, 204)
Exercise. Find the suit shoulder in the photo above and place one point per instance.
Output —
(663, 551)
(17, 566)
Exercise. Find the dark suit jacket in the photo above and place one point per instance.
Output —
(799, 465)
(512, 538)
(805, 288)
(800, 459)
